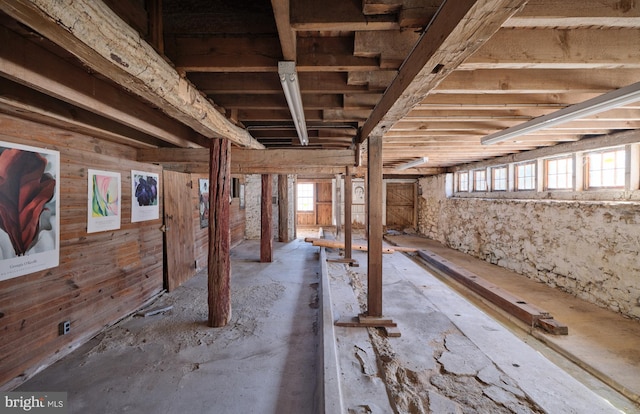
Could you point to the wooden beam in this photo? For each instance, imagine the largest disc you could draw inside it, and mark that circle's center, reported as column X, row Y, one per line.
column 513, row 305
column 226, row 54
column 283, row 208
column 391, row 47
column 558, row 49
column 277, row 101
column 577, row 13
column 374, row 227
column 254, row 158
column 219, row 267
column 155, row 33
column 266, row 216
column 286, row 157
column 117, row 52
column 361, row 247
column 456, row 32
column 262, row 83
column 27, row 103
column 28, row 64
column 336, row 15
column 536, row 81
column 281, row 13
column 324, row 54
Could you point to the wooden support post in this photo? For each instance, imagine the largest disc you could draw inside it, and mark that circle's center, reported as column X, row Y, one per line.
column 338, row 204
column 283, row 208
column 266, row 215
column 374, row 232
column 348, row 201
column 219, row 268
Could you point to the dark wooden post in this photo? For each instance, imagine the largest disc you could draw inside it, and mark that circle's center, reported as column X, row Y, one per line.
column 348, row 201
column 283, row 208
column 219, row 268
column 266, row 215
column 374, row 232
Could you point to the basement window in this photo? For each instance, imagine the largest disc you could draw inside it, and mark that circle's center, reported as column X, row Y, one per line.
column 305, row 197
column 463, row 181
column 559, row 173
column 606, row 169
column 526, row 176
column 499, row 178
column 480, row 180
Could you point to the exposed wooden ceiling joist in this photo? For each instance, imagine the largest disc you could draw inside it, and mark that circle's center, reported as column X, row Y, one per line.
column 28, row 64
column 117, row 52
column 490, row 71
column 457, row 30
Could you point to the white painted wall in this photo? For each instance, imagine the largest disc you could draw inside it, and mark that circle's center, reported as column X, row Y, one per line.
column 588, row 248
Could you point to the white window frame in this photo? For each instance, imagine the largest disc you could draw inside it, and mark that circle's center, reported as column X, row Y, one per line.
column 554, row 171
column 301, row 206
column 619, row 169
column 526, row 177
column 477, row 180
column 504, row 179
column 460, row 182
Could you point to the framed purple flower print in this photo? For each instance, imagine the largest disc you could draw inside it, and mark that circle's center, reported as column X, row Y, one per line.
column 144, row 196
column 29, row 209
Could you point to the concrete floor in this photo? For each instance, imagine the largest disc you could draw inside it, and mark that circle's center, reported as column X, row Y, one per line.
column 600, row 341
column 451, row 357
column 263, row 361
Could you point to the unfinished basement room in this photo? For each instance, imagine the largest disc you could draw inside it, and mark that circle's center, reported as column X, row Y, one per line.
column 338, row 206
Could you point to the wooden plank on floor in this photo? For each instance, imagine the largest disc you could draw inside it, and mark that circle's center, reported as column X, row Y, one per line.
column 518, row 307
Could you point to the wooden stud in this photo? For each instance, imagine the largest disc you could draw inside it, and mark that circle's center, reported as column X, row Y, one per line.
column 219, row 269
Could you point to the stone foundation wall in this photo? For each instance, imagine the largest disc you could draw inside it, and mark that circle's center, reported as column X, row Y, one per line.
column 589, row 249
column 253, row 195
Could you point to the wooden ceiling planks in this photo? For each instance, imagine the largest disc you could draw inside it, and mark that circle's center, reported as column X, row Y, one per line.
column 361, row 66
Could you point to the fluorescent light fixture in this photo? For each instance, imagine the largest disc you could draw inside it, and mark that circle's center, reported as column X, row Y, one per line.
column 604, row 102
column 413, row 163
column 291, row 88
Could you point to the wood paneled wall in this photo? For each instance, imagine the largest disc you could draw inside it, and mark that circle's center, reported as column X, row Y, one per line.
column 101, row 277
column 322, row 214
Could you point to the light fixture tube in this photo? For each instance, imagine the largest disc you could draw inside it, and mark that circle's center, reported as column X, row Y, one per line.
column 413, row 163
column 291, row 88
column 604, row 102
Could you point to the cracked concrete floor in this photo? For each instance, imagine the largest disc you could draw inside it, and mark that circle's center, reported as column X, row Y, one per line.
column 451, row 357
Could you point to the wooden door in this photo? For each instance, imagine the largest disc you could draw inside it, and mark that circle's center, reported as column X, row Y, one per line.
column 400, row 205
column 324, row 202
column 179, row 233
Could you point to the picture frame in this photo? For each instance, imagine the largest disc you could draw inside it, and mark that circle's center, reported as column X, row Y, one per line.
column 145, row 204
column 203, row 202
column 30, row 213
column 104, row 200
